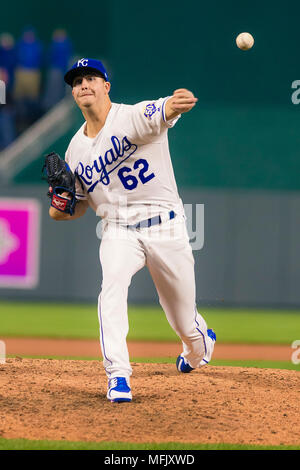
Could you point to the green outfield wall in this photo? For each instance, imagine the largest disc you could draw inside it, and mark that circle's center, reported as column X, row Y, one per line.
column 244, row 132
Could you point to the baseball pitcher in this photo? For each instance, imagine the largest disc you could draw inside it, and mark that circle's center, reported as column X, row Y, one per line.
column 119, row 164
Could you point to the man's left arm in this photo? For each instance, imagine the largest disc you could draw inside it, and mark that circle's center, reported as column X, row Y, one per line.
column 180, row 102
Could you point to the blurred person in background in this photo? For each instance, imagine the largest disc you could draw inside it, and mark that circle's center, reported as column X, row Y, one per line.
column 58, row 60
column 8, row 58
column 7, row 69
column 28, row 79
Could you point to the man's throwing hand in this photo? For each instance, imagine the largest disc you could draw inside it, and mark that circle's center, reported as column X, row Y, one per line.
column 182, row 101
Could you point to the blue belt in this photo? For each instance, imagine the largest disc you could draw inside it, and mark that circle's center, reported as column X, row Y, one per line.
column 153, row 221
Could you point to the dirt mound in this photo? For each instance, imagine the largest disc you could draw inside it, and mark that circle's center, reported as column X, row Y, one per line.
column 66, row 400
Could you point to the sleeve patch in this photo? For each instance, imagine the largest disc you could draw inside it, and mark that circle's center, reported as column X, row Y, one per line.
column 150, row 110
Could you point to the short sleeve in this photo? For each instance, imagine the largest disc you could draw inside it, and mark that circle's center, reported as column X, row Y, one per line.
column 148, row 120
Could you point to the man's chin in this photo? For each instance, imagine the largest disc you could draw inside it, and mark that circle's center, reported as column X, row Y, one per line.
column 86, row 104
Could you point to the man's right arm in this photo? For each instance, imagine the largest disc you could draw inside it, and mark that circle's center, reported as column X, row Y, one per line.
column 80, row 210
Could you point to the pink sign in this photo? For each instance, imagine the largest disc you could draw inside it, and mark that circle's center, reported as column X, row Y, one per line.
column 19, row 242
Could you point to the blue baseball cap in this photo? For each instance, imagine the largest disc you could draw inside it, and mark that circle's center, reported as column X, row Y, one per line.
column 85, row 67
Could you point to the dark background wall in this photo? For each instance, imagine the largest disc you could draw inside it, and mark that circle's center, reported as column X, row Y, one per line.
column 244, row 131
column 151, row 48
column 87, row 24
column 237, row 151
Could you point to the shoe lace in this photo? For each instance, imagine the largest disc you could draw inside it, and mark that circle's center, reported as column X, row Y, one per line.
column 119, row 382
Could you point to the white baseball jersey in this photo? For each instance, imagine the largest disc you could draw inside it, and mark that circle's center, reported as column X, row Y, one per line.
column 126, row 172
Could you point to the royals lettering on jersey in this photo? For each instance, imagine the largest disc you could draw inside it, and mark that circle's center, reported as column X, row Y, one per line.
column 112, row 158
column 130, row 159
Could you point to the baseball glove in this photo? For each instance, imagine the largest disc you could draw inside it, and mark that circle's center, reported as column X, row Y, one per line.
column 60, row 179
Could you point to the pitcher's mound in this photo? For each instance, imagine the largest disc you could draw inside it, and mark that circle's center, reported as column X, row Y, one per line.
column 66, row 400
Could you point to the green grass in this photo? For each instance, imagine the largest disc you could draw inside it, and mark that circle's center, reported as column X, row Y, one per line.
column 256, row 363
column 147, row 323
column 226, row 362
column 24, row 444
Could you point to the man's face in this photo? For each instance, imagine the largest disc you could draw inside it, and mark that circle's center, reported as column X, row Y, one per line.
column 88, row 90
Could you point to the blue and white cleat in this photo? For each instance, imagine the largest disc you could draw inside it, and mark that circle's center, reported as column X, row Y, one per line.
column 182, row 365
column 210, row 344
column 119, row 390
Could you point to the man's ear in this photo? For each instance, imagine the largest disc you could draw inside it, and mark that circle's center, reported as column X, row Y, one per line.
column 107, row 86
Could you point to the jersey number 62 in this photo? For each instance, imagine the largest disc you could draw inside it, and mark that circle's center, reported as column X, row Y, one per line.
column 130, row 181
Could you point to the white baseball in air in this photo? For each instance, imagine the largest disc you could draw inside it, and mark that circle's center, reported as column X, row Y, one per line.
column 244, row 41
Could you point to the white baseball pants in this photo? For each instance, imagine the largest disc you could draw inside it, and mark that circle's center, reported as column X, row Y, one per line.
column 166, row 251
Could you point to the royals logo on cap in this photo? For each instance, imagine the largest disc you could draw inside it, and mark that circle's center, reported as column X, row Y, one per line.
column 86, row 66
column 83, row 63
